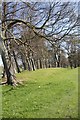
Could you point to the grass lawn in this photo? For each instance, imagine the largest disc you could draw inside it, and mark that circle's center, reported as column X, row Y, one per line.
column 0, row 93
column 46, row 93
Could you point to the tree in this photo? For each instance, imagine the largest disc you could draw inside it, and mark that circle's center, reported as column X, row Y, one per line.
column 26, row 33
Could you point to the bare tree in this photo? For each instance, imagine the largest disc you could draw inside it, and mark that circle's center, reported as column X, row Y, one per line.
column 26, row 34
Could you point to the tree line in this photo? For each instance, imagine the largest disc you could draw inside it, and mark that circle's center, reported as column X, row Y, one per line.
column 36, row 35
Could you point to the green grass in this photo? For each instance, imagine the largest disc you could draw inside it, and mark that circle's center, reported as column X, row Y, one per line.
column 0, row 93
column 47, row 93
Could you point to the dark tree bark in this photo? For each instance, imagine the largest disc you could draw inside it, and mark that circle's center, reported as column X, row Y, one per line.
column 23, row 62
column 58, row 62
column 40, row 63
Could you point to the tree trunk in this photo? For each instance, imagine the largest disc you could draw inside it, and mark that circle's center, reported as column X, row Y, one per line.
column 18, row 70
column 40, row 63
column 33, row 65
column 37, row 64
column 29, row 64
column 23, row 62
column 58, row 62
column 55, row 59
column 7, row 70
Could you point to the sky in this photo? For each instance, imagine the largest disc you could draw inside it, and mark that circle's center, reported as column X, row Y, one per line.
column 41, row 0
column 33, row 1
